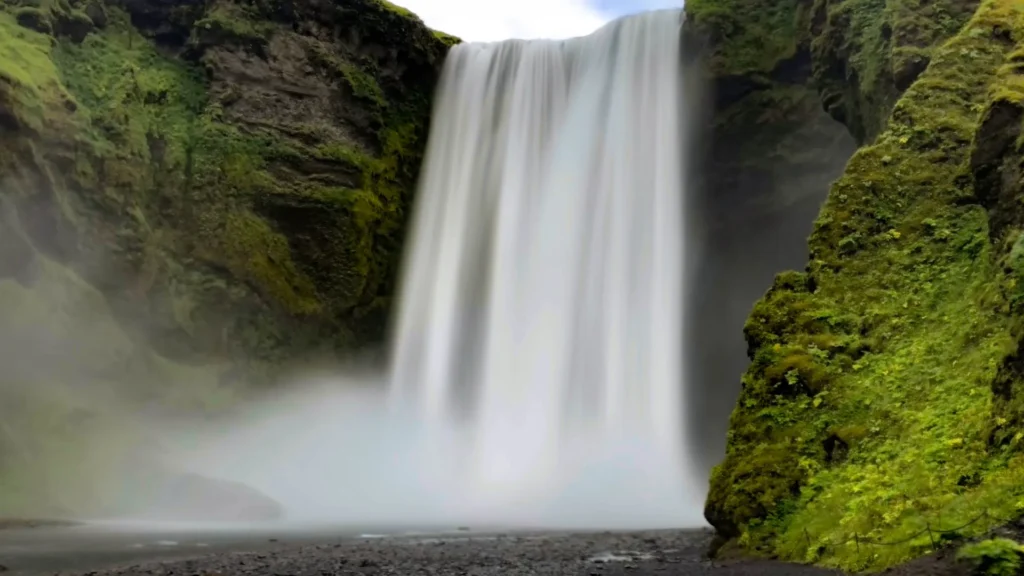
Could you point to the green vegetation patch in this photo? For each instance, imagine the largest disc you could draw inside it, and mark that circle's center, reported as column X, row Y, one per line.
column 218, row 241
column 157, row 141
column 750, row 35
column 865, row 414
column 131, row 96
column 29, row 83
column 995, row 557
column 867, row 52
column 392, row 7
column 362, row 83
column 447, row 39
column 232, row 23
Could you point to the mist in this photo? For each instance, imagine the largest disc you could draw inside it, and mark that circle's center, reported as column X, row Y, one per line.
column 333, row 453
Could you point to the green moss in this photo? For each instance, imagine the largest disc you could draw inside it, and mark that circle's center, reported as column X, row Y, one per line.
column 866, row 410
column 129, row 94
column 155, row 134
column 377, row 207
column 362, row 83
column 403, row 12
column 28, row 77
column 230, row 23
column 749, row 35
column 867, row 52
column 254, row 252
column 209, row 215
column 995, row 557
column 447, row 39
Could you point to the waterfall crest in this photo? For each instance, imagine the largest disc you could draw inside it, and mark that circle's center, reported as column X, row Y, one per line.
column 541, row 316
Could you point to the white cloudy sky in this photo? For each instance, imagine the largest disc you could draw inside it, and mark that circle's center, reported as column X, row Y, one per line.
column 486, row 20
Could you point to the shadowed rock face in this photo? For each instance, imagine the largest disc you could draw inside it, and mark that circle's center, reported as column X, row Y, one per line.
column 770, row 154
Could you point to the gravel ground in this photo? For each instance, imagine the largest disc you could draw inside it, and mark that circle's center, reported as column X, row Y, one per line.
column 597, row 554
column 662, row 553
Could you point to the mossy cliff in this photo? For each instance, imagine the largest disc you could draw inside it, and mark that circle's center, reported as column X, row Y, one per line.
column 194, row 194
column 233, row 174
column 883, row 395
column 773, row 153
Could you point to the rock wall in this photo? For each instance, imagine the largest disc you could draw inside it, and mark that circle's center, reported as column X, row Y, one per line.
column 881, row 397
column 769, row 154
column 232, row 176
column 192, row 196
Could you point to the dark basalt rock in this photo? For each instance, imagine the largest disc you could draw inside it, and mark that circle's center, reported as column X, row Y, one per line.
column 996, row 165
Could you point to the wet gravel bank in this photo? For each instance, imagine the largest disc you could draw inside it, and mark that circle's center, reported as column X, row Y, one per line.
column 596, row 554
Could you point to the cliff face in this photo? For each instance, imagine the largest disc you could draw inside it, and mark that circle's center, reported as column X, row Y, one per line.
column 234, row 174
column 193, row 194
column 773, row 153
column 882, row 394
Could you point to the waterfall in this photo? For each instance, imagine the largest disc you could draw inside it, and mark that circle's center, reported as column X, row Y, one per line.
column 541, row 312
column 537, row 377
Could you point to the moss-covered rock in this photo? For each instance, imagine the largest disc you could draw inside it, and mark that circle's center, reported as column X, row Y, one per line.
column 867, row 52
column 881, row 394
column 227, row 182
column 256, row 185
column 773, row 153
column 863, row 53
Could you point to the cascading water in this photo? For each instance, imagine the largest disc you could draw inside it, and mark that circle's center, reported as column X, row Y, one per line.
column 537, row 369
column 541, row 310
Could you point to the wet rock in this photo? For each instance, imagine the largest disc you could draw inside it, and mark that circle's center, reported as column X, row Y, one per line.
column 97, row 13
column 995, row 165
column 35, row 19
column 74, row 25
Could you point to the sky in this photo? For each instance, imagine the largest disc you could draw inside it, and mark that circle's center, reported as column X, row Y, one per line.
column 489, row 20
